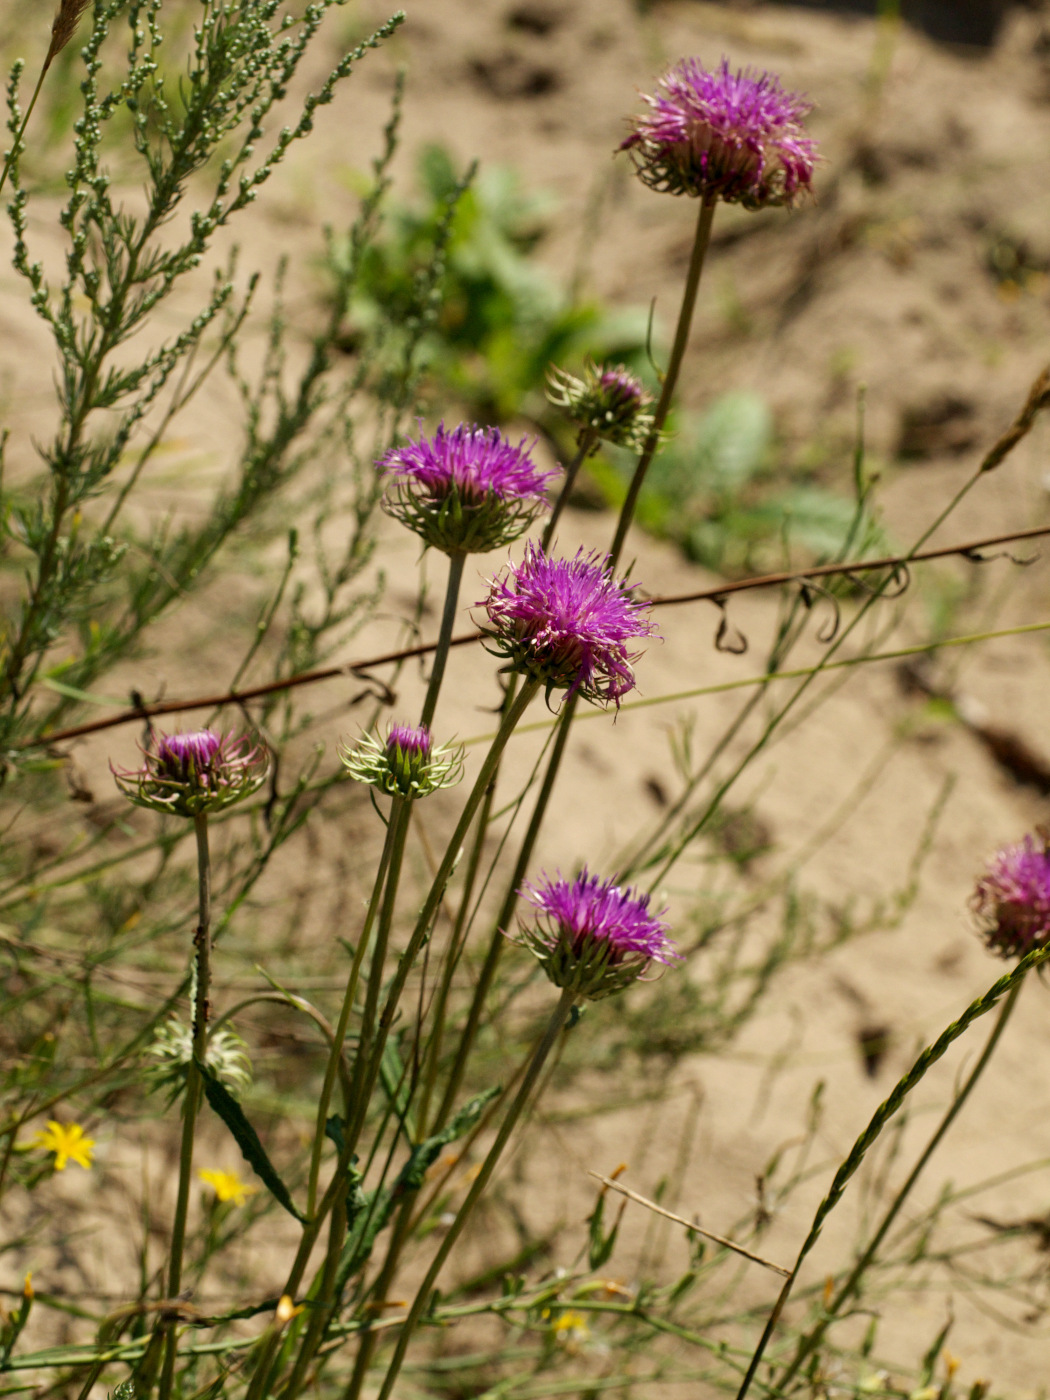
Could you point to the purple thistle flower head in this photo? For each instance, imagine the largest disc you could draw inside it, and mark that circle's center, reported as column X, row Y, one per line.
column 568, row 623
column 623, row 389
column 593, row 937
column 609, row 400
column 465, row 491
column 408, row 764
column 724, row 135
column 413, row 742
column 188, row 774
column 1012, row 898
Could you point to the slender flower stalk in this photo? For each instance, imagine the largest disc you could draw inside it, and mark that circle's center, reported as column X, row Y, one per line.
column 498, row 941
column 368, row 1068
column 432, row 902
column 190, row 775
column 588, row 441
column 592, row 939
column 456, row 945
column 701, row 240
column 397, row 827
column 456, row 561
column 191, row 1102
column 538, row 1059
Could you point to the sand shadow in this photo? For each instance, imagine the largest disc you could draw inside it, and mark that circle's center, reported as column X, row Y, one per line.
column 973, row 22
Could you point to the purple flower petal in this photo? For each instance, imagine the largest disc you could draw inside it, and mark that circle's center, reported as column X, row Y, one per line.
column 466, row 490
column 187, row 774
column 1012, row 898
column 593, row 936
column 732, row 136
column 568, row 622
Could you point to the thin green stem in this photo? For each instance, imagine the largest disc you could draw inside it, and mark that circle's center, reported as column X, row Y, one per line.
column 448, row 617
column 451, row 962
column 701, row 240
column 370, row 1338
column 261, row 1382
column 358, row 1099
column 506, row 913
column 437, row 890
column 808, row 1344
column 587, row 442
column 685, row 318
column 554, row 1027
column 929, row 1057
column 202, row 970
column 16, row 149
column 394, row 831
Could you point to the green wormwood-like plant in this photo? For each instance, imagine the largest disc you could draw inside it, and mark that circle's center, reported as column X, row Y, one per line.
column 120, row 268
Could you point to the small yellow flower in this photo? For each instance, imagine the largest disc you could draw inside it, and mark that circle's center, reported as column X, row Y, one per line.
column 286, row 1310
column 67, row 1142
column 228, row 1186
column 571, row 1330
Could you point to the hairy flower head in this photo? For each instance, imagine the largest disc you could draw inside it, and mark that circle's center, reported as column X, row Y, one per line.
column 1012, row 898
column 187, row 774
column 465, row 491
column 67, row 1142
column 171, row 1053
column 592, row 936
column 609, row 400
column 724, row 135
column 567, row 622
column 407, row 764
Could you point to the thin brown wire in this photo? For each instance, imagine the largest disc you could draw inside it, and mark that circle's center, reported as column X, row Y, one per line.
column 360, row 669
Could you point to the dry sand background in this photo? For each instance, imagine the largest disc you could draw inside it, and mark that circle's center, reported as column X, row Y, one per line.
column 883, row 281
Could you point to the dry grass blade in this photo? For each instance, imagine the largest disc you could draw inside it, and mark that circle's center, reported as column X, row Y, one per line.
column 64, row 27
column 1038, row 399
column 689, row 1224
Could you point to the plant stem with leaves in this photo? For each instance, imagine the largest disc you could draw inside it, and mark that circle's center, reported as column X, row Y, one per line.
column 419, row 1303
column 192, row 1096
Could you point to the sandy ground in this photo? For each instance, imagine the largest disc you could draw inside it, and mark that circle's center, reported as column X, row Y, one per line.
column 885, row 280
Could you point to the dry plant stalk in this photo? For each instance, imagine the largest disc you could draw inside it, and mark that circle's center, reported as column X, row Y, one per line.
column 612, row 1185
column 1038, row 399
column 63, row 29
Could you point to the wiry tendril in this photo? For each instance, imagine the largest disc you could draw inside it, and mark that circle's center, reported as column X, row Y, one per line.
column 727, row 638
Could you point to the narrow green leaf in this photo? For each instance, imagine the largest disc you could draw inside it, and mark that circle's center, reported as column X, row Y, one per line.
column 367, row 1214
column 86, row 697
column 247, row 1139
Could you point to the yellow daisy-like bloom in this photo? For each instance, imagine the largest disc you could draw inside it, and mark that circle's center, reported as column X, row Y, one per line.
column 67, row 1142
column 228, row 1186
column 571, row 1330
